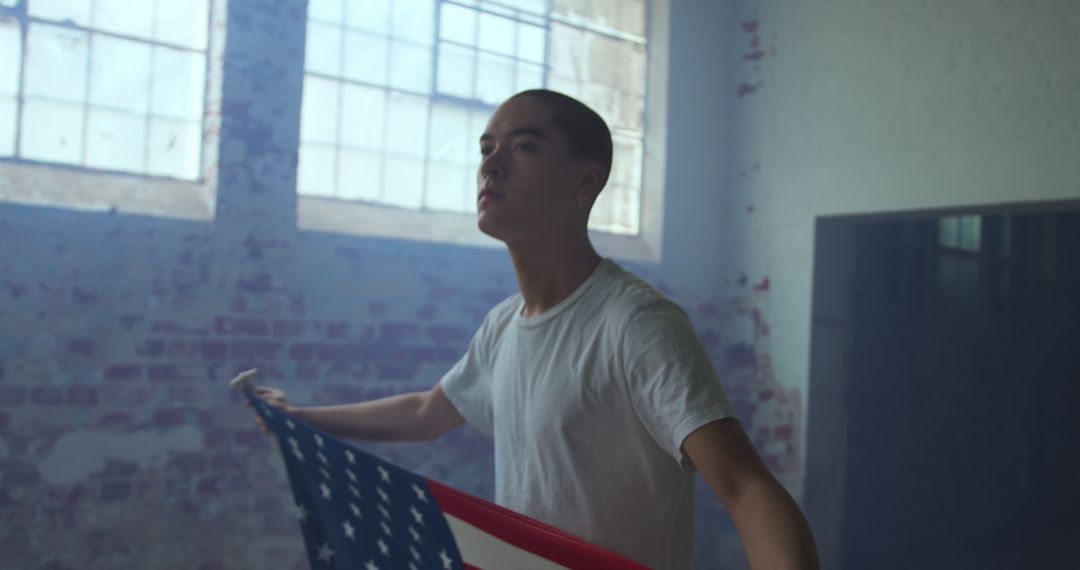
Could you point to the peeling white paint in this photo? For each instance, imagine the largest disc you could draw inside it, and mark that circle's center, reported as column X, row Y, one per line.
column 82, row 453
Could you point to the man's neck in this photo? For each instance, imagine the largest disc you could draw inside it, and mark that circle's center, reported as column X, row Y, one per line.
column 547, row 274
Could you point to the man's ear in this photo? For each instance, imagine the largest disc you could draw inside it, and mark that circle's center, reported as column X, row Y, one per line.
column 592, row 181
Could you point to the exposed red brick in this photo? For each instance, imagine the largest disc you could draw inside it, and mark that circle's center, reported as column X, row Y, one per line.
column 81, row 346
column 84, row 396
column 337, row 329
column 153, row 348
column 302, row 351
column 214, row 350
column 288, row 328
column 184, row 393
column 12, row 396
column 249, row 437
column 183, row 349
column 116, row 420
column 251, row 349
column 47, row 396
column 447, row 333
column 428, row 311
column 169, row 417
column 123, row 372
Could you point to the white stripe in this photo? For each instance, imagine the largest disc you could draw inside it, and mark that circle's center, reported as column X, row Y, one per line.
column 490, row 553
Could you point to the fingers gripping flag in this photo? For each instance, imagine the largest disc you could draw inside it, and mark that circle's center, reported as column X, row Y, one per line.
column 359, row 512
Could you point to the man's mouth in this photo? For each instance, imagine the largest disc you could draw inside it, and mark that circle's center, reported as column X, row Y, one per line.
column 490, row 194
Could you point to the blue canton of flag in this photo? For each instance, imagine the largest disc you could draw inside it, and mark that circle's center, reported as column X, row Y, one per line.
column 356, row 511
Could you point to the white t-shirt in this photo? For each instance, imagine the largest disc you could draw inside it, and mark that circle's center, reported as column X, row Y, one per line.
column 589, row 403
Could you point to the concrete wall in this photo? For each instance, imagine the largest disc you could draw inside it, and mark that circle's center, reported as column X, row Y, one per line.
column 121, row 447
column 853, row 108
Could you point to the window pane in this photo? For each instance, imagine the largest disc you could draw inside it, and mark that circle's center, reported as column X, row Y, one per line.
column 368, row 15
column 51, row 131
column 406, row 124
column 119, row 73
column 411, row 69
column 363, row 110
column 182, row 23
column 414, row 20
column 530, row 43
column 175, row 148
column 450, row 141
column 494, row 79
column 529, row 77
column 458, row 24
column 323, row 53
column 11, row 44
column 124, row 17
column 446, row 186
column 56, row 63
column 456, row 69
column 179, row 83
column 403, row 183
column 359, row 175
column 327, row 11
column 319, row 110
column 315, row 171
column 496, row 34
column 366, row 58
column 115, row 140
column 8, row 109
column 78, row 11
column 622, row 15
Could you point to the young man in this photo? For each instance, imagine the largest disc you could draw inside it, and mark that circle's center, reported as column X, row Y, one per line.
column 599, row 395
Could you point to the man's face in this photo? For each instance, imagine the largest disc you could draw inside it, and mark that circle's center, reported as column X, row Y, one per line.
column 528, row 187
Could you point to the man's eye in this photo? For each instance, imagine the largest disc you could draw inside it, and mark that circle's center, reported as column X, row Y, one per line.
column 525, row 146
column 485, row 150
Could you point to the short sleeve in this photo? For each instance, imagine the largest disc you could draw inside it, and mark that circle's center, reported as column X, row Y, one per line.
column 672, row 383
column 468, row 384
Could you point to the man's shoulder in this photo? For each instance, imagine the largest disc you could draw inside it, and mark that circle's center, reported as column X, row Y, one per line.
column 626, row 295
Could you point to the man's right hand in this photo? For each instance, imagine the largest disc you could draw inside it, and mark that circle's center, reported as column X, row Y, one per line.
column 274, row 397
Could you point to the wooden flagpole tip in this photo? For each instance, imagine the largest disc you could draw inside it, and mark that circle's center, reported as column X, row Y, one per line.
column 243, row 378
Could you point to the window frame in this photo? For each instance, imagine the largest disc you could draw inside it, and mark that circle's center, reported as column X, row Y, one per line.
column 36, row 182
column 342, row 216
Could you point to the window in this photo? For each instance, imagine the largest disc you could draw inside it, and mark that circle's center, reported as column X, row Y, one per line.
column 109, row 85
column 396, row 94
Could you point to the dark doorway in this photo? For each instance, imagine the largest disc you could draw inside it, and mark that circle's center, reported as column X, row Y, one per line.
column 963, row 393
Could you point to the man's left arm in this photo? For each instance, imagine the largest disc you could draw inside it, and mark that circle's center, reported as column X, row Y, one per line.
column 773, row 530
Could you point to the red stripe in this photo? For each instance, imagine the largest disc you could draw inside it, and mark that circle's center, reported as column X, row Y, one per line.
column 527, row 534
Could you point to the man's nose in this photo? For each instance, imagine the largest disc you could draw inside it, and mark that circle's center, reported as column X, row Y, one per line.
column 492, row 166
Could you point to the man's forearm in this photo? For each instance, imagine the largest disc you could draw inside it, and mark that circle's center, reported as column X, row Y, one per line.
column 773, row 529
column 395, row 418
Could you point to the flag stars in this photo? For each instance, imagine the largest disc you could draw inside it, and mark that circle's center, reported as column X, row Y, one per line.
column 370, row 565
column 415, row 535
column 383, row 547
column 350, row 456
column 319, row 440
column 420, row 494
column 355, row 511
column 383, row 473
column 386, row 529
column 416, row 515
column 351, row 475
column 325, row 474
column 323, row 459
column 382, row 494
column 355, row 492
column 414, row 552
column 325, row 490
column 289, row 423
column 325, row 554
column 446, row 560
column 301, row 512
column 385, row 513
column 349, row 529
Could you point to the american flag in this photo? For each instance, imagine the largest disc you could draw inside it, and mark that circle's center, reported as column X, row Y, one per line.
column 359, row 512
